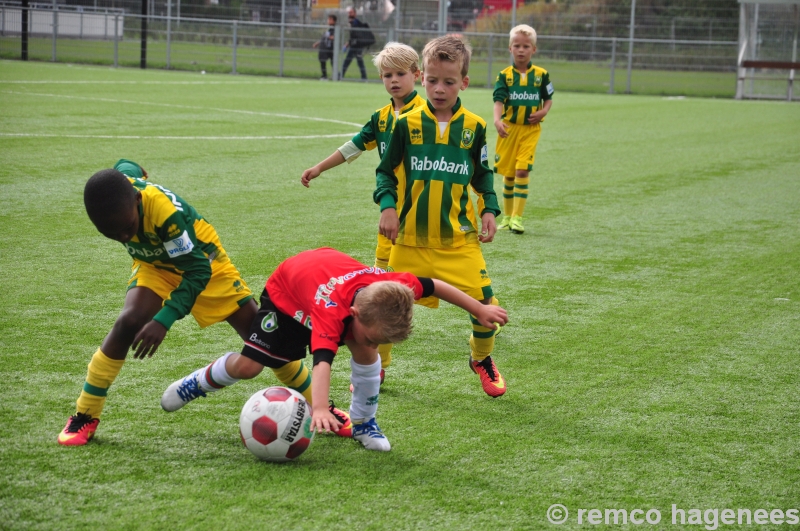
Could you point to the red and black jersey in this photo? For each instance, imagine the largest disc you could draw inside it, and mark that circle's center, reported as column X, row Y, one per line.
column 318, row 287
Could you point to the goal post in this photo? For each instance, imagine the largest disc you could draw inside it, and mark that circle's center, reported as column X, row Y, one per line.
column 767, row 59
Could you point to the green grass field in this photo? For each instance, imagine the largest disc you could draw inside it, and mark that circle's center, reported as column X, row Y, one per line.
column 651, row 356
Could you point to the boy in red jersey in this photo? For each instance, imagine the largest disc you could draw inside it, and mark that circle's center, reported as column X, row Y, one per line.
column 349, row 304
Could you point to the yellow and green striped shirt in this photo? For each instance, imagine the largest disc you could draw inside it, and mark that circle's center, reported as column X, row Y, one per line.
column 378, row 131
column 522, row 93
column 426, row 176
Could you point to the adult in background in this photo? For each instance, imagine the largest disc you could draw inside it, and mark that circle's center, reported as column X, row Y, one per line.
column 325, row 45
column 356, row 44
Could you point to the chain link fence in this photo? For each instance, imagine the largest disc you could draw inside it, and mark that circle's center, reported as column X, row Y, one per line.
column 593, row 52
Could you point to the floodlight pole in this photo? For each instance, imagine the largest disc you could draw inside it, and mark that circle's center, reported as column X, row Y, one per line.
column 630, row 46
column 143, row 58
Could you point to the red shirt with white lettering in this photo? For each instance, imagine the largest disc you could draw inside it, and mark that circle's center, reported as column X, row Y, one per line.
column 319, row 287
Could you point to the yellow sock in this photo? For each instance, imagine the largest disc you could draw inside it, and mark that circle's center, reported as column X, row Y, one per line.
column 101, row 374
column 383, row 264
column 481, row 344
column 508, row 195
column 520, row 195
column 385, row 352
column 295, row 375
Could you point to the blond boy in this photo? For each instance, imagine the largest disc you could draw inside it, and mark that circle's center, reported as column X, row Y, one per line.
column 436, row 153
column 522, row 98
column 398, row 65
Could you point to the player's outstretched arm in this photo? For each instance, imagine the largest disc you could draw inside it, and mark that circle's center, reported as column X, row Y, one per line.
column 313, row 172
column 322, row 419
column 486, row 314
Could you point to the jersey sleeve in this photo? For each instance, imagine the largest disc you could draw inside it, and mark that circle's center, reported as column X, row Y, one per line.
column 483, row 177
column 386, row 181
column 500, row 89
column 365, row 139
column 547, row 88
column 185, row 252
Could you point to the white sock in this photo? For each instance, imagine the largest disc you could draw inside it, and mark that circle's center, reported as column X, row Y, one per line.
column 215, row 377
column 366, row 380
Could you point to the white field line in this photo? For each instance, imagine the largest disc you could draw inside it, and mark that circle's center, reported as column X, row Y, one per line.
column 107, row 82
column 162, row 137
column 188, row 107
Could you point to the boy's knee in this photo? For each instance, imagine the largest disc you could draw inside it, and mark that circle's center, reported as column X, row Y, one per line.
column 129, row 322
column 523, row 174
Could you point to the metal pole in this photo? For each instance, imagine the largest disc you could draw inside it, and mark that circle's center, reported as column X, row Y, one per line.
column 489, row 62
column 116, row 40
column 55, row 28
column 790, row 91
column 24, row 31
column 235, row 26
column 337, row 48
column 513, row 13
column 143, row 55
column 397, row 20
column 672, row 33
column 179, row 13
column 613, row 64
column 630, row 46
column 283, row 34
column 169, row 33
column 442, row 17
column 741, row 72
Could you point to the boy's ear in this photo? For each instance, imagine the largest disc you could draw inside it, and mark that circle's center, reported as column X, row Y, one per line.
column 465, row 83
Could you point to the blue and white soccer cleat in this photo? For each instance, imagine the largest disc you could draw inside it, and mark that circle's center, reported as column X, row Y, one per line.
column 182, row 391
column 370, row 435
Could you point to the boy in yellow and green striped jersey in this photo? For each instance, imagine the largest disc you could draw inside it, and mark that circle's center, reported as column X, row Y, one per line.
column 523, row 95
column 179, row 267
column 399, row 69
column 435, row 154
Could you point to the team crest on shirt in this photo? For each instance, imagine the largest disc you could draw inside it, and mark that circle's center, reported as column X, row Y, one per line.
column 467, row 137
column 154, row 239
column 537, row 81
column 496, row 158
column 270, row 322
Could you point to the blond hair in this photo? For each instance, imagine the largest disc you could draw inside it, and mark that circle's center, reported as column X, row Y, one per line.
column 522, row 29
column 389, row 306
column 448, row 48
column 396, row 56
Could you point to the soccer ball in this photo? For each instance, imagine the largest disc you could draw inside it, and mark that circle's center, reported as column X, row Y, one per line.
column 275, row 424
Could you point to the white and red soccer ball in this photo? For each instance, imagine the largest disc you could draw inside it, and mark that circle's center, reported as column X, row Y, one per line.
column 275, row 424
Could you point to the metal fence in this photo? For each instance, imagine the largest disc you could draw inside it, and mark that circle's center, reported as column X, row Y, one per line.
column 577, row 63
